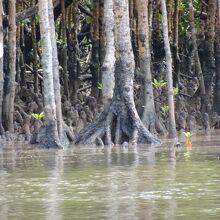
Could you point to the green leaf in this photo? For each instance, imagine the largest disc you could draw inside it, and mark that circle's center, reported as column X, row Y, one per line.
column 187, row 134
column 175, row 91
column 165, row 108
column 159, row 84
column 89, row 19
column 39, row 116
column 100, row 86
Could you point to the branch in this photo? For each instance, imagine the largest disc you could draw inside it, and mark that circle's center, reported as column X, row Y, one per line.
column 32, row 11
column 85, row 11
column 27, row 13
column 83, row 89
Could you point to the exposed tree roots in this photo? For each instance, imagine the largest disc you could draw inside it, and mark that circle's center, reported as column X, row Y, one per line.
column 119, row 124
column 154, row 125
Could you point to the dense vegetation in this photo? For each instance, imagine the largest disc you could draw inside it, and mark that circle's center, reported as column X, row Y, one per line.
column 108, row 71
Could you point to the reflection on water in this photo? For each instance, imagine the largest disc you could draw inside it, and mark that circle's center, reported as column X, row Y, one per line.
column 111, row 183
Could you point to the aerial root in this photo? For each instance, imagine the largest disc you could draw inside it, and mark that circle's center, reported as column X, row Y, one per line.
column 113, row 129
column 118, row 132
column 108, row 136
column 134, row 138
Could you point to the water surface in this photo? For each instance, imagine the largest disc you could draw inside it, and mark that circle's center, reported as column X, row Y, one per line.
column 112, row 183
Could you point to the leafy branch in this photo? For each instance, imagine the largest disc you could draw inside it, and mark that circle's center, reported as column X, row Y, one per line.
column 165, row 108
column 100, row 86
column 39, row 116
column 159, row 84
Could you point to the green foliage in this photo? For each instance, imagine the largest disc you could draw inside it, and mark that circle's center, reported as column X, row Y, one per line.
column 37, row 18
column 165, row 108
column 39, row 65
column 89, row 20
column 25, row 22
column 185, row 17
column 185, row 20
column 197, row 4
column 86, row 3
column 40, row 44
column 62, row 42
column 187, row 134
column 86, row 43
column 175, row 91
column 57, row 26
column 39, row 116
column 100, row 86
column 159, row 84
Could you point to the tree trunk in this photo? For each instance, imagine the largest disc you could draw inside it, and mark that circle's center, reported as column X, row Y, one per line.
column 169, row 15
column 209, row 70
column 21, row 53
column 176, row 43
column 73, row 52
column 95, row 60
column 22, row 79
column 48, row 136
column 131, row 14
column 56, row 78
column 10, row 84
column 147, row 112
column 34, row 45
column 120, row 122
column 172, row 123
column 150, row 19
column 134, row 27
column 64, row 51
column 217, row 63
column 102, row 37
column 196, row 55
column 1, row 60
column 108, row 66
column 218, row 3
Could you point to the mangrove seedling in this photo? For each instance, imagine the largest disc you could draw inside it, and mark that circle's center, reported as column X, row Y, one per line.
column 159, row 84
column 100, row 86
column 175, row 91
column 188, row 136
column 165, row 108
column 39, row 116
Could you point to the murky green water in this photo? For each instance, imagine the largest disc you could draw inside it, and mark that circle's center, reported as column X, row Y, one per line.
column 136, row 183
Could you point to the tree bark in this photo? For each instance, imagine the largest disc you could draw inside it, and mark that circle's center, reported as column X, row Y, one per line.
column 150, row 19
column 217, row 63
column 196, row 55
column 147, row 112
column 172, row 123
column 48, row 136
column 1, row 60
column 21, row 57
column 209, row 58
column 34, row 45
column 95, row 59
column 176, row 43
column 218, row 4
column 32, row 11
column 10, row 84
column 64, row 51
column 120, row 122
column 56, row 79
column 73, row 52
column 169, row 15
column 108, row 65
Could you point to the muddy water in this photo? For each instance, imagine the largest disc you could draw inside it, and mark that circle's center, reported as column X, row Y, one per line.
column 118, row 183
